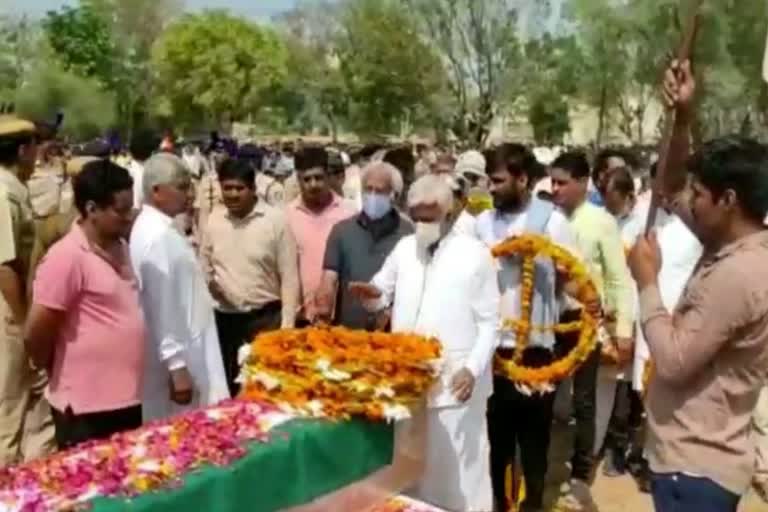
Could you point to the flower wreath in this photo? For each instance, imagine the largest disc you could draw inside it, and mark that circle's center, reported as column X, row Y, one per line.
column 334, row 372
column 528, row 247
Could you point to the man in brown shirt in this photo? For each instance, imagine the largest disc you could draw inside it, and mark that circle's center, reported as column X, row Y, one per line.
column 250, row 258
column 710, row 355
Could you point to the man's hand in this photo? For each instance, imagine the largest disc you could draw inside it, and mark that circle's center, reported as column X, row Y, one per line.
column 679, row 87
column 462, row 384
column 625, row 348
column 182, row 387
column 364, row 291
column 645, row 260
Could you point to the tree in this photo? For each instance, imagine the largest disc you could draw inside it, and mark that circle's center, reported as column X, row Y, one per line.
column 216, row 65
column 390, row 73
column 548, row 116
column 478, row 43
column 314, row 92
column 88, row 110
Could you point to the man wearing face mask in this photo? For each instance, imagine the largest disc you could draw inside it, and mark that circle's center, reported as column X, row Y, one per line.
column 358, row 246
column 442, row 283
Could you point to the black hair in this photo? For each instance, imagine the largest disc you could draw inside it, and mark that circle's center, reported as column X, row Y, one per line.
column 516, row 159
column 99, row 181
column 9, row 147
column 143, row 145
column 335, row 163
column 737, row 163
column 402, row 158
column 652, row 172
column 574, row 163
column 237, row 169
column 311, row 157
column 622, row 180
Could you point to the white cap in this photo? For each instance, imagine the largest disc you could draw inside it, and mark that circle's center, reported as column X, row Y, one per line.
column 471, row 162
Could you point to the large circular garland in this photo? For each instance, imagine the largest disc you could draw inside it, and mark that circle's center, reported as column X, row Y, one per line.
column 528, row 247
column 335, row 372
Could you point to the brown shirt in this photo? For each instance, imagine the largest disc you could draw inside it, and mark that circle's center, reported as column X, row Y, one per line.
column 711, row 360
column 253, row 260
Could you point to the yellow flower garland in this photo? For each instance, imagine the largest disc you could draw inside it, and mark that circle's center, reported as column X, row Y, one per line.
column 528, row 247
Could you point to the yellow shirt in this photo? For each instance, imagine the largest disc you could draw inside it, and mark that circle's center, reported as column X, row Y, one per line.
column 600, row 242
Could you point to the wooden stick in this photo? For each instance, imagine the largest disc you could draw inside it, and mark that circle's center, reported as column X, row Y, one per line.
column 662, row 165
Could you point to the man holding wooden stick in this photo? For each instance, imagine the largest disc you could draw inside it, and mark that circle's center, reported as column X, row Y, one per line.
column 710, row 355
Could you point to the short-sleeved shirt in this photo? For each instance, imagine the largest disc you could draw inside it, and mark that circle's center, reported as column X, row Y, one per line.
column 17, row 229
column 311, row 230
column 99, row 352
column 356, row 250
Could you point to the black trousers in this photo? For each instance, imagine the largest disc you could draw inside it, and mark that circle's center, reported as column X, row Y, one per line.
column 584, row 402
column 238, row 329
column 517, row 419
column 626, row 418
column 73, row 429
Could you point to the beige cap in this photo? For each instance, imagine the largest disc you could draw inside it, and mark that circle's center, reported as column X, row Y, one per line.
column 471, row 162
column 11, row 126
column 75, row 164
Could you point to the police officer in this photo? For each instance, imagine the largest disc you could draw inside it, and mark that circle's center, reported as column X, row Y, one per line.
column 26, row 427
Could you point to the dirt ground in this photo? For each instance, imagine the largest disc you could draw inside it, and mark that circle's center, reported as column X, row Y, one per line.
column 611, row 494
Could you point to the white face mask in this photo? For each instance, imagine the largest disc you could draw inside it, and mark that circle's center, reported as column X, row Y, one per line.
column 428, row 233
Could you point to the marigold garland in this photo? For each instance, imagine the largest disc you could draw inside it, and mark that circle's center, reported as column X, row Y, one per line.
column 528, row 247
column 337, row 372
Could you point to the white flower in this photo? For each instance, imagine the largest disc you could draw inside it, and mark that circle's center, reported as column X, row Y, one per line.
column 384, row 392
column 336, row 375
column 243, row 354
column 323, row 365
column 267, row 380
column 396, row 412
column 315, row 407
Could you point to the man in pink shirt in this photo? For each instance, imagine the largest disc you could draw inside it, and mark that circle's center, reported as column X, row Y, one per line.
column 311, row 217
column 85, row 326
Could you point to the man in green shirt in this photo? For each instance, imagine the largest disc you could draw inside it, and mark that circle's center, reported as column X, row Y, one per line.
column 598, row 238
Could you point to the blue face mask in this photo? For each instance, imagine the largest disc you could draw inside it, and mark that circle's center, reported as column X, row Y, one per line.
column 376, row 206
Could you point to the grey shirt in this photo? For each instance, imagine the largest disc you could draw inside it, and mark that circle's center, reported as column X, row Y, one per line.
column 356, row 250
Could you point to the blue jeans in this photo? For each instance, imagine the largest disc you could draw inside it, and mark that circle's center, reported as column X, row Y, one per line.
column 676, row 492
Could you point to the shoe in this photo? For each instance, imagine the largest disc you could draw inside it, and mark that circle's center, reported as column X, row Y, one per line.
column 643, row 479
column 615, row 463
column 576, row 497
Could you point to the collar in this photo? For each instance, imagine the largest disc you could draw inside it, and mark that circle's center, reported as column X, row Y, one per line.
column 336, row 201
column 151, row 211
column 258, row 210
column 382, row 227
column 753, row 241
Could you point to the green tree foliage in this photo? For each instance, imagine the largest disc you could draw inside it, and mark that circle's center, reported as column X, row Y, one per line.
column 390, row 73
column 82, row 43
column 217, row 65
column 88, row 110
column 548, row 116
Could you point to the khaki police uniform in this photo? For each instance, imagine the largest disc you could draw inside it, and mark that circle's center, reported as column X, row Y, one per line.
column 26, row 427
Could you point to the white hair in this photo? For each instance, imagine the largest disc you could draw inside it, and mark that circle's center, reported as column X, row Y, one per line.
column 395, row 178
column 431, row 189
column 162, row 169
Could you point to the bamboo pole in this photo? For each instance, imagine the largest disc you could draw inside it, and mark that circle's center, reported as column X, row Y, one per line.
column 662, row 166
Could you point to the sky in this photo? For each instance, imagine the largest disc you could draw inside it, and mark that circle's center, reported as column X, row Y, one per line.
column 262, row 9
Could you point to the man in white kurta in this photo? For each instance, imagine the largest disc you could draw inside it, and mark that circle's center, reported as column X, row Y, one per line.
column 182, row 340
column 442, row 283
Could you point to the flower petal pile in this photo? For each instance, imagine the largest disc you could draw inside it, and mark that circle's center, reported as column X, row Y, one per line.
column 403, row 504
column 335, row 372
column 155, row 456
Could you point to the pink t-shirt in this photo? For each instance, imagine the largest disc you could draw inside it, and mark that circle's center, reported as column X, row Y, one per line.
column 99, row 353
column 311, row 231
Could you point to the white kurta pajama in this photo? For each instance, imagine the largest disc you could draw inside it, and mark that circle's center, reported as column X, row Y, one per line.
column 178, row 309
column 454, row 296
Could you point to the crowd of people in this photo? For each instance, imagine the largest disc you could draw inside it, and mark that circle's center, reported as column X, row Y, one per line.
column 130, row 281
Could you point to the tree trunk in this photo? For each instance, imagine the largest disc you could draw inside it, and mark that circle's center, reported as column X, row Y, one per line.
column 603, row 107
